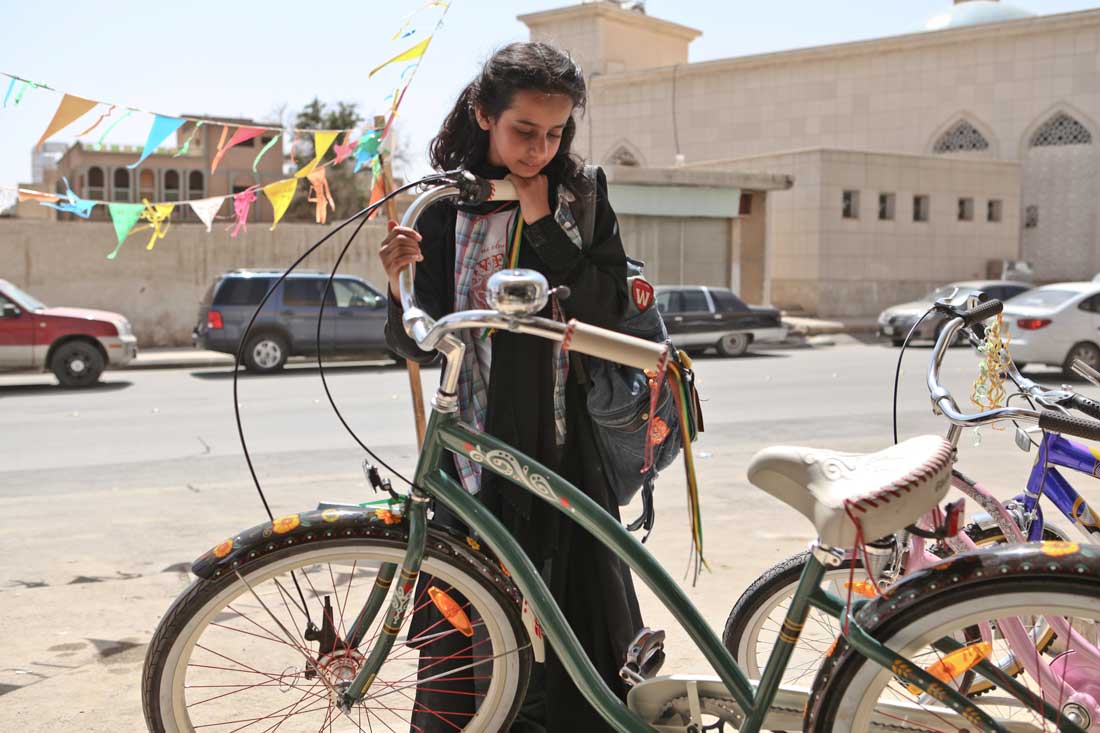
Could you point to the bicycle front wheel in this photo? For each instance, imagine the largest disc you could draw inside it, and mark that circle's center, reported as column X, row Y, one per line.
column 945, row 622
column 234, row 653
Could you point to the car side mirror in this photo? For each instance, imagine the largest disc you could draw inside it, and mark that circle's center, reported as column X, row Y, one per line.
column 11, row 310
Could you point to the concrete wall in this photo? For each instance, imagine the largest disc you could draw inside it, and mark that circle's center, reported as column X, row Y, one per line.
column 64, row 263
column 820, row 262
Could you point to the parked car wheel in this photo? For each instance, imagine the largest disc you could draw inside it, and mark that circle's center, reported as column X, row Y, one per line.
column 77, row 364
column 265, row 353
column 734, row 344
column 897, row 342
column 1086, row 351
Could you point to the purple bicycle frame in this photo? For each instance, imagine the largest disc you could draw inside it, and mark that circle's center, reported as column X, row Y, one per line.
column 1045, row 479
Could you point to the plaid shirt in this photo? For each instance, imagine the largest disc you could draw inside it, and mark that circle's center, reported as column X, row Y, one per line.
column 473, row 381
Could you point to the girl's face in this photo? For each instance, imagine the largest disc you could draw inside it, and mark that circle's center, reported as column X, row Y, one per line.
column 527, row 135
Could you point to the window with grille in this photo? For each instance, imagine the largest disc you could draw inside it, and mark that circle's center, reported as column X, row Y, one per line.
column 994, row 209
column 921, row 208
column 961, row 137
column 1061, row 129
column 966, row 209
column 850, row 205
column 1031, row 217
column 886, row 206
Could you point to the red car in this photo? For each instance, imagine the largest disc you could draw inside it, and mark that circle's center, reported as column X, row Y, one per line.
column 76, row 344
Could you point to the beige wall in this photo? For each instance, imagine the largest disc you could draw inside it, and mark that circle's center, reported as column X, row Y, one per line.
column 822, row 263
column 65, row 263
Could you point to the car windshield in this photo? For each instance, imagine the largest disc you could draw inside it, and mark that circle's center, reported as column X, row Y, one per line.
column 33, row 304
column 1042, row 298
column 946, row 291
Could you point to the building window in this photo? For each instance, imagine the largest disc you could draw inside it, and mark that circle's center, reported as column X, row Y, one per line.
column 744, row 207
column 147, row 185
column 921, row 208
column 97, row 184
column 171, row 186
column 1061, row 129
column 966, row 209
column 196, row 185
column 1031, row 217
column 850, row 205
column 994, row 210
column 886, row 206
column 120, row 190
column 961, row 137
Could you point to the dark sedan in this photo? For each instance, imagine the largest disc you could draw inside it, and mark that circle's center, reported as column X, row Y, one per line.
column 699, row 317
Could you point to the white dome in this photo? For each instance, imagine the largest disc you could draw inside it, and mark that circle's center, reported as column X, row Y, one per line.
column 977, row 12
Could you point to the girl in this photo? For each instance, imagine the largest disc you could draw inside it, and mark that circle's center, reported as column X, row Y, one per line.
column 515, row 121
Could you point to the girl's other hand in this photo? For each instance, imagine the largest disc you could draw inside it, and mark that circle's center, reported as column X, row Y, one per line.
column 534, row 196
column 400, row 248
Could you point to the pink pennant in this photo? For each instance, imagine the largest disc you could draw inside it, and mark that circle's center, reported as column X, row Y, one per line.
column 242, row 204
column 243, row 134
column 345, row 149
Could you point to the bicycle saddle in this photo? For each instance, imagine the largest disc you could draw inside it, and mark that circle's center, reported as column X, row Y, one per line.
column 882, row 491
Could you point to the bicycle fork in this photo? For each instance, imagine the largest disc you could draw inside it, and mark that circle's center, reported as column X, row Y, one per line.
column 395, row 615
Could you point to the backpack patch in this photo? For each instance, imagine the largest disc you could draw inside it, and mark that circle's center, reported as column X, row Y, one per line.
column 642, row 293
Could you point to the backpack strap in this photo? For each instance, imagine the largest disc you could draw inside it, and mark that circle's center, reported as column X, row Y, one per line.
column 587, row 219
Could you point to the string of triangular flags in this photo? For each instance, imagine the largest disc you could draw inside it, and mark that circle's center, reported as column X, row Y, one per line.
column 364, row 149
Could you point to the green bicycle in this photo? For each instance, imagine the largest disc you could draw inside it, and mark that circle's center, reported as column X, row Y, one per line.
column 369, row 618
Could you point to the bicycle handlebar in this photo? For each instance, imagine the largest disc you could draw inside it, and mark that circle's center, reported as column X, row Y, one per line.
column 945, row 404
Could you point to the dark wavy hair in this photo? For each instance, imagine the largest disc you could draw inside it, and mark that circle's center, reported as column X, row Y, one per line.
column 539, row 67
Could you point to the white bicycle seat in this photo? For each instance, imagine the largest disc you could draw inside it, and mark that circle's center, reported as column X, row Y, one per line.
column 882, row 491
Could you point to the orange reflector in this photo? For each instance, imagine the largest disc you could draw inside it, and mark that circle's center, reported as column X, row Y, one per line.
column 864, row 588
column 957, row 663
column 451, row 611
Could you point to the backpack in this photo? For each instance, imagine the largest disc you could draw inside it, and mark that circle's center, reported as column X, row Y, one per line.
column 618, row 397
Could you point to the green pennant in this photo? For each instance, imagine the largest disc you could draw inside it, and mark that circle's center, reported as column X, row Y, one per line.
column 124, row 217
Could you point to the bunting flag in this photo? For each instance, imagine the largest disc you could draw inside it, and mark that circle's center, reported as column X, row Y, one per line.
column 73, row 204
column 243, row 134
column 207, row 209
column 344, row 149
column 124, row 216
column 413, row 53
column 27, row 195
column 280, row 193
column 157, row 216
column 378, row 192
column 221, row 144
column 366, row 149
column 7, row 94
column 112, row 126
column 242, row 204
column 70, row 110
column 158, row 133
column 95, row 124
column 187, row 145
column 322, row 141
column 269, row 146
column 8, row 199
column 320, row 194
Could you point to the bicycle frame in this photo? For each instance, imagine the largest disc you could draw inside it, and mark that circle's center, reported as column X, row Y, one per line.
column 1045, row 479
column 447, row 435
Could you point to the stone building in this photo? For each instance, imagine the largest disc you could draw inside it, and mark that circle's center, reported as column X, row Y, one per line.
column 917, row 158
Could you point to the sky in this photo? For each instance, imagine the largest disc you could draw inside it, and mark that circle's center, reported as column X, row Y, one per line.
column 251, row 59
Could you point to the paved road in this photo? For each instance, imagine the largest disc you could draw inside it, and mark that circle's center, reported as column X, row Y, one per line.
column 108, row 494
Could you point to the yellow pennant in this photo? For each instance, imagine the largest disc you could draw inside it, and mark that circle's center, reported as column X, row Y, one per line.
column 281, row 193
column 413, row 53
column 322, row 141
column 157, row 215
column 70, row 109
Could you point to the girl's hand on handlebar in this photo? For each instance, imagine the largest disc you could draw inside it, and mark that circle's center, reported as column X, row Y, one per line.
column 400, row 248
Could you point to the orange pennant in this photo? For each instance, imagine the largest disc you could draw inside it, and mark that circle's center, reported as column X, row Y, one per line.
column 377, row 193
column 70, row 109
column 242, row 134
column 28, row 195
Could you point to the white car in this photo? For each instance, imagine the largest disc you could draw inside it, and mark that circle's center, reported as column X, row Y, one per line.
column 1055, row 324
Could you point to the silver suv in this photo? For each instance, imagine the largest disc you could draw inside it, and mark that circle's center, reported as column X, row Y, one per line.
column 354, row 323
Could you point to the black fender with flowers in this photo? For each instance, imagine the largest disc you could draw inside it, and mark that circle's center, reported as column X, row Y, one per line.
column 327, row 525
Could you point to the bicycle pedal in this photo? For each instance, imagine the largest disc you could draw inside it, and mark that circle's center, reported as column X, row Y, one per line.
column 644, row 657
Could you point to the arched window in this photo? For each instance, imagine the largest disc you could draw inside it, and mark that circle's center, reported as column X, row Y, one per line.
column 1061, row 129
column 623, row 156
column 120, row 188
column 960, row 138
column 171, row 186
column 97, row 184
column 147, row 185
column 196, row 185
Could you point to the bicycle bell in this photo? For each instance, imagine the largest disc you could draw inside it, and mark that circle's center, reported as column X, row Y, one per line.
column 517, row 292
